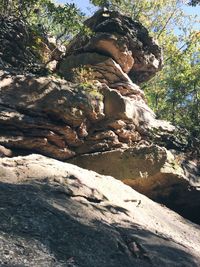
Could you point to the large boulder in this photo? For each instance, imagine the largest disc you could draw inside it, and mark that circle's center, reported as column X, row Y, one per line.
column 47, row 115
column 103, row 68
column 102, row 111
column 57, row 214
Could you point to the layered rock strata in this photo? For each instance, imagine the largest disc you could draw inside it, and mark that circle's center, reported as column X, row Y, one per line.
column 104, row 110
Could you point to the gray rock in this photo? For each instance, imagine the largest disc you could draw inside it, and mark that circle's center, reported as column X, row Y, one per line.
column 154, row 171
column 57, row 214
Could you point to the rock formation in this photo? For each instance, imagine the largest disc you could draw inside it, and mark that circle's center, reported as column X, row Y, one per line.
column 96, row 116
column 97, row 113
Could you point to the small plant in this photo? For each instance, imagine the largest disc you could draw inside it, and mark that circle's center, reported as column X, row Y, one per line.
column 83, row 75
column 91, row 90
column 86, row 79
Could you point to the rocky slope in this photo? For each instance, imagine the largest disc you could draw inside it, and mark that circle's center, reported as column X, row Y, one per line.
column 57, row 214
column 95, row 116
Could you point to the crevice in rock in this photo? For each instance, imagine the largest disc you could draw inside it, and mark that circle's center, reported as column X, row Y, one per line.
column 89, row 199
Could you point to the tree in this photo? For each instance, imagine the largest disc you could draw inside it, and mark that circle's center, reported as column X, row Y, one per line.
column 45, row 16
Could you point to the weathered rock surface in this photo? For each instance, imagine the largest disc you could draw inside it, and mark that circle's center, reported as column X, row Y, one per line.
column 57, row 214
column 126, row 41
column 118, row 52
column 61, row 119
column 117, row 49
column 103, row 68
column 153, row 171
column 46, row 115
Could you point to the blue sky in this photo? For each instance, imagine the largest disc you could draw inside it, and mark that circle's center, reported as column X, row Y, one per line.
column 84, row 5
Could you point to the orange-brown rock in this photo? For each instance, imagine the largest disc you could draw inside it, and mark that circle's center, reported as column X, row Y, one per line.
column 113, row 45
column 127, row 135
column 117, row 124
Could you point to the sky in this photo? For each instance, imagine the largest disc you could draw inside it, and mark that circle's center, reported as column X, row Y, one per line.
column 84, row 5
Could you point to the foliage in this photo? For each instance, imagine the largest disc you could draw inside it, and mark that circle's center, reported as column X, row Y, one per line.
column 175, row 92
column 45, row 16
column 48, row 25
column 91, row 90
column 83, row 75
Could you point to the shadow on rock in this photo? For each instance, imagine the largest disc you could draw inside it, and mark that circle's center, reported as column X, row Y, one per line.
column 41, row 226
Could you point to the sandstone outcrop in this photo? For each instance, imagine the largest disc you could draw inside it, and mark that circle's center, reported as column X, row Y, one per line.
column 62, row 119
column 57, row 214
column 118, row 52
column 97, row 116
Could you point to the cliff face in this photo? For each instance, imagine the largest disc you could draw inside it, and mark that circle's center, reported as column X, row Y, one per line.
column 96, row 117
column 101, row 109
